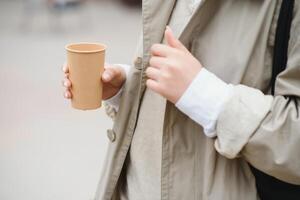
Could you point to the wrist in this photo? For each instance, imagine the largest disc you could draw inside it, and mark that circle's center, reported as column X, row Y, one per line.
column 125, row 70
column 204, row 99
column 114, row 100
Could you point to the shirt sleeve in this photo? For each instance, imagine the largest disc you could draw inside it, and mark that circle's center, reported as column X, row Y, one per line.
column 114, row 101
column 204, row 99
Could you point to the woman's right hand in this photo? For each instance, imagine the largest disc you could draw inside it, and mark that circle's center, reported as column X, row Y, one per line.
column 113, row 79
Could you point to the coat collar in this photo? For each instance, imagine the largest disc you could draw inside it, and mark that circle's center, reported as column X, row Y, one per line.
column 156, row 15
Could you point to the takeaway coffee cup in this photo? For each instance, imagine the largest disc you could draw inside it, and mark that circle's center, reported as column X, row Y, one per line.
column 86, row 65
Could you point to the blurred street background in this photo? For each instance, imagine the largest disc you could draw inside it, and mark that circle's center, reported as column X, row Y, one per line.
column 49, row 151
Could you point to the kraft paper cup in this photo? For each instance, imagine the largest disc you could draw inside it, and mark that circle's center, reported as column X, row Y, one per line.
column 86, row 65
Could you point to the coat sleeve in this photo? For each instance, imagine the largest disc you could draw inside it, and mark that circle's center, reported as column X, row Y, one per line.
column 263, row 129
column 112, row 105
column 110, row 110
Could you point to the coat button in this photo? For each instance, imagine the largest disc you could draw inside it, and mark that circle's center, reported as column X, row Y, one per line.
column 111, row 135
column 138, row 61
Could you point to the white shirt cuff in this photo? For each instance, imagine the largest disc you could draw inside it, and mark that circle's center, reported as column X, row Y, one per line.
column 204, row 99
column 114, row 101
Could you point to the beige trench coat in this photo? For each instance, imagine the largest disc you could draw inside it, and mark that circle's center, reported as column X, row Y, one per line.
column 234, row 39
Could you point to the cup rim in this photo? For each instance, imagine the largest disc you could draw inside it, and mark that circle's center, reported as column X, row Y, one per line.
column 102, row 47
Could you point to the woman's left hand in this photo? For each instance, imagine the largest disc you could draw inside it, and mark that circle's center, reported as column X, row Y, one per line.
column 172, row 68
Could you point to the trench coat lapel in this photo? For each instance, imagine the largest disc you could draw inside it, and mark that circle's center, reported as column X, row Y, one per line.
column 156, row 15
column 199, row 19
column 185, row 29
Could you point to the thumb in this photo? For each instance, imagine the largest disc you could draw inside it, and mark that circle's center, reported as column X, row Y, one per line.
column 113, row 75
column 172, row 41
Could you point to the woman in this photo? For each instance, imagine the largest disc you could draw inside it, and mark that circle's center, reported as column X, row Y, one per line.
column 194, row 112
